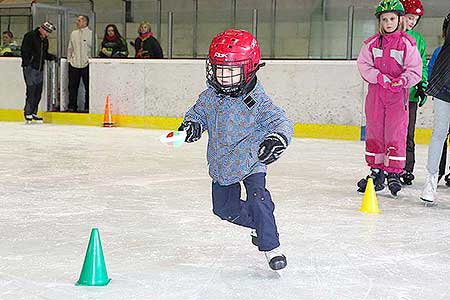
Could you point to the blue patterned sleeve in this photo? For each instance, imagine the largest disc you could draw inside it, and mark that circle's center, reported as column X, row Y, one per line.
column 198, row 112
column 272, row 119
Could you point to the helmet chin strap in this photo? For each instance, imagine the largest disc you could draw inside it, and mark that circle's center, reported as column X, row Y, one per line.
column 417, row 22
column 396, row 28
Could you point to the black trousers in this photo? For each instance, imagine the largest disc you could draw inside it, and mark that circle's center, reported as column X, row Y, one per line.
column 443, row 158
column 34, row 80
column 256, row 212
column 410, row 145
column 75, row 75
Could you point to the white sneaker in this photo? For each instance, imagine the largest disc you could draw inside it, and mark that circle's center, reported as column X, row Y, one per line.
column 276, row 259
column 429, row 191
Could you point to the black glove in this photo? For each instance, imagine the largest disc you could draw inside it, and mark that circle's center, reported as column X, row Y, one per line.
column 193, row 131
column 420, row 93
column 272, row 148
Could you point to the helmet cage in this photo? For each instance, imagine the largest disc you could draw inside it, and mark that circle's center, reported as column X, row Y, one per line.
column 236, row 82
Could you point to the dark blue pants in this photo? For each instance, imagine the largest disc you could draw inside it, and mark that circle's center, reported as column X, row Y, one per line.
column 255, row 213
column 34, row 80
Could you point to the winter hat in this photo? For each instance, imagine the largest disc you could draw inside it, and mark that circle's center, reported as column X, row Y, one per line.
column 49, row 27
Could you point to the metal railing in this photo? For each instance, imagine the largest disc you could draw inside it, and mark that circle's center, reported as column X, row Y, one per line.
column 254, row 25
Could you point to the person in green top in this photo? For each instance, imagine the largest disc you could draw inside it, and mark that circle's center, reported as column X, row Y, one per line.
column 414, row 11
column 9, row 46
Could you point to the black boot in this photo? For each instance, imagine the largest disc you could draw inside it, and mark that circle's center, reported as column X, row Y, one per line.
column 28, row 119
column 407, row 178
column 254, row 237
column 378, row 180
column 447, row 180
column 394, row 183
column 37, row 119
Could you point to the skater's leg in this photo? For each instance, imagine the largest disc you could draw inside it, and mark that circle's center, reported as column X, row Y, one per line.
column 38, row 91
column 396, row 129
column 443, row 162
column 374, row 109
column 261, row 207
column 438, row 138
column 227, row 204
column 30, row 92
column 410, row 145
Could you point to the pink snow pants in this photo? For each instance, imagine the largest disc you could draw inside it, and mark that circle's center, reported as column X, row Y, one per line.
column 386, row 128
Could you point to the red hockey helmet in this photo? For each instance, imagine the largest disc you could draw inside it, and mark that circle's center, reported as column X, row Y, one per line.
column 413, row 7
column 233, row 61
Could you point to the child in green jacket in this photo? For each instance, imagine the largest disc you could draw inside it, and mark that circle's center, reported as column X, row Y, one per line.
column 414, row 11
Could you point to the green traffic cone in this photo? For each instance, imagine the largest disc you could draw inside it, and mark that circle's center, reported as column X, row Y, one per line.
column 94, row 267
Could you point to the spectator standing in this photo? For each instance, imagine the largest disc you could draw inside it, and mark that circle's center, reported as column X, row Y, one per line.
column 78, row 54
column 34, row 54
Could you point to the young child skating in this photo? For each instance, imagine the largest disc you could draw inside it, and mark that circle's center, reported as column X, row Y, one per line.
column 246, row 132
column 390, row 63
column 414, row 11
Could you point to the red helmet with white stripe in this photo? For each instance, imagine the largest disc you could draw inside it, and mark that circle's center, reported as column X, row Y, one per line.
column 233, row 61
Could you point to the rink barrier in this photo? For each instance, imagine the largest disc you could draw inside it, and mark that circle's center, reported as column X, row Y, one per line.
column 320, row 131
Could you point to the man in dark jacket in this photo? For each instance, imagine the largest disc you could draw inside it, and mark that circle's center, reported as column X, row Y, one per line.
column 34, row 54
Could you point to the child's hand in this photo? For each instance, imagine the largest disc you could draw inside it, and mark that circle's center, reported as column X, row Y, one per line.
column 193, row 131
column 397, row 84
column 272, row 148
column 384, row 80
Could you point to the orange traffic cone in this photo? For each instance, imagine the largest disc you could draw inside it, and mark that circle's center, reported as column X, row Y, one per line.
column 108, row 119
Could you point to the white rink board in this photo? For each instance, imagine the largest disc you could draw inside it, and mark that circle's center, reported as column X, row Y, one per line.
column 161, row 241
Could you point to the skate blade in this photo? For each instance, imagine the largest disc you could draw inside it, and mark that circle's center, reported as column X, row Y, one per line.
column 393, row 196
column 39, row 122
column 428, row 203
column 28, row 122
column 280, row 273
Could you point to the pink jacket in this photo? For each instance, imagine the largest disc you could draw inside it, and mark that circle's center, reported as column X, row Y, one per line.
column 395, row 55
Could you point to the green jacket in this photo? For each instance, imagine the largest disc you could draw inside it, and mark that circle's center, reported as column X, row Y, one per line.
column 422, row 47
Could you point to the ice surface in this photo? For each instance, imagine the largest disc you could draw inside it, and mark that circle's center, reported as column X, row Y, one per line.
column 161, row 241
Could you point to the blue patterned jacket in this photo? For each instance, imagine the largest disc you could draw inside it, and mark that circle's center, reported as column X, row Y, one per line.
column 236, row 127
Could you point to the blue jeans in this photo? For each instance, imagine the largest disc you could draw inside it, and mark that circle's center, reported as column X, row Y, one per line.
column 34, row 80
column 256, row 212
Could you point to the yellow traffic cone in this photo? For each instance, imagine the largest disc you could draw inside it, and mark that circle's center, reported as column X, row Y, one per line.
column 370, row 203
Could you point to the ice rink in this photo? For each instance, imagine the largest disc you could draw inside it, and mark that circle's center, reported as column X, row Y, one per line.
column 152, row 206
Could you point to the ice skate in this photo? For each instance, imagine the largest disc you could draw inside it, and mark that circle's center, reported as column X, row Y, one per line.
column 429, row 191
column 254, row 237
column 394, row 183
column 28, row 119
column 276, row 259
column 37, row 119
column 407, row 178
column 378, row 180
column 447, row 180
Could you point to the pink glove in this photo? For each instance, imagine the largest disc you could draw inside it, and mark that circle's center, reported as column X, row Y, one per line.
column 397, row 84
column 384, row 80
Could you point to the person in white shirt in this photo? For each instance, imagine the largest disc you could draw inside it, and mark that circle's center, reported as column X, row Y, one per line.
column 78, row 54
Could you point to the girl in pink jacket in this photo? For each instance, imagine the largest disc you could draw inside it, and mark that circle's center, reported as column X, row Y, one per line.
column 390, row 63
